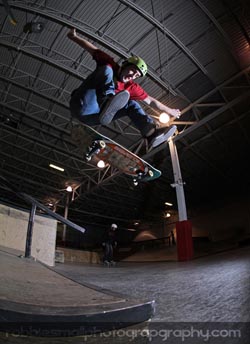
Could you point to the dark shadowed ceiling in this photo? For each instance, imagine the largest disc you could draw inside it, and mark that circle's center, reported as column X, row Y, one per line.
column 198, row 54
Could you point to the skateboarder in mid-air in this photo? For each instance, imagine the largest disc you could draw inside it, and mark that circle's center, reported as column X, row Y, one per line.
column 110, row 92
column 109, row 242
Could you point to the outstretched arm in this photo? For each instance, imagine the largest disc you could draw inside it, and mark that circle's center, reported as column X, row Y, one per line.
column 155, row 104
column 91, row 48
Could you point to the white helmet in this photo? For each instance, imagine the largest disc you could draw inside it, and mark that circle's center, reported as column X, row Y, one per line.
column 113, row 225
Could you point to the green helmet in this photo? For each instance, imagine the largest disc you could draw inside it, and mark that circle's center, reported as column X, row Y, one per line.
column 138, row 62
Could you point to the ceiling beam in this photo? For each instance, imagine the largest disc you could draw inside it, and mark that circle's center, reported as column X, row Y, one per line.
column 213, row 115
column 140, row 11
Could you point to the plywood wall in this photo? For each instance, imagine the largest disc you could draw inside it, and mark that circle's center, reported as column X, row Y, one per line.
column 13, row 231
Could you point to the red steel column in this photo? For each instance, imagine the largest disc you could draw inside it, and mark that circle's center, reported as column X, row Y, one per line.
column 184, row 240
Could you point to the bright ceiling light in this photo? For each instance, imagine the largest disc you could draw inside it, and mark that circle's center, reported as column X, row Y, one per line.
column 164, row 117
column 56, row 167
column 69, row 189
column 101, row 164
column 170, row 204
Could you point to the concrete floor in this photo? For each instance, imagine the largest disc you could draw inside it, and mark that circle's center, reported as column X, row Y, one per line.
column 212, row 288
column 208, row 293
column 198, row 296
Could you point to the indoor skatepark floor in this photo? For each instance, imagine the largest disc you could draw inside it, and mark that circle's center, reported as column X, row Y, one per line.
column 208, row 292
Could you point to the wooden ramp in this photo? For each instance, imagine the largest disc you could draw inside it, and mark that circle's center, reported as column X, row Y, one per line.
column 35, row 298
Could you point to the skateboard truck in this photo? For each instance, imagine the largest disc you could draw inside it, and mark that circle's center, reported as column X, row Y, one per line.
column 95, row 149
column 141, row 174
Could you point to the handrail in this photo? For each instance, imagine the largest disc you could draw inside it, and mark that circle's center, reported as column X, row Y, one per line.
column 33, row 201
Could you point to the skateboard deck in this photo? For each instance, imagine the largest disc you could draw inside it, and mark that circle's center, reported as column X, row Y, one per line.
column 98, row 147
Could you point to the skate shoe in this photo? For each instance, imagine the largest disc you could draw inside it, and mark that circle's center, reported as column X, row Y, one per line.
column 114, row 104
column 161, row 135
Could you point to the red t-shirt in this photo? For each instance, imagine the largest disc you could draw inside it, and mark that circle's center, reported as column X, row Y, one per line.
column 135, row 90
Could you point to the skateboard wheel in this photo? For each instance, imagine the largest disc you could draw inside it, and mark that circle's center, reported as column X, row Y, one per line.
column 151, row 173
column 140, row 174
column 102, row 144
column 135, row 181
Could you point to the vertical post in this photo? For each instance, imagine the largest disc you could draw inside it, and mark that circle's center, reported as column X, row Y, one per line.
column 178, row 183
column 30, row 231
column 66, row 211
column 183, row 226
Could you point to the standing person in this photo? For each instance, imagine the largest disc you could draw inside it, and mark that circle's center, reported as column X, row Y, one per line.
column 172, row 238
column 109, row 243
column 110, row 92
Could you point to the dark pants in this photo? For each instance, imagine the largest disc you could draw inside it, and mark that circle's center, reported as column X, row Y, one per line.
column 108, row 252
column 87, row 100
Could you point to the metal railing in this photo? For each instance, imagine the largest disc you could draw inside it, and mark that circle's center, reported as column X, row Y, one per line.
column 34, row 205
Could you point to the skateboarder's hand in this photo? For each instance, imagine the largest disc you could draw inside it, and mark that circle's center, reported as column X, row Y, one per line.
column 175, row 113
column 72, row 33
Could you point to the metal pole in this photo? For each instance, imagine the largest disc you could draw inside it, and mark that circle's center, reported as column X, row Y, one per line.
column 178, row 182
column 30, row 231
column 66, row 211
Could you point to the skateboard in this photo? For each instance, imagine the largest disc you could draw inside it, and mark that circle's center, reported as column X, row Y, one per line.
column 97, row 147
